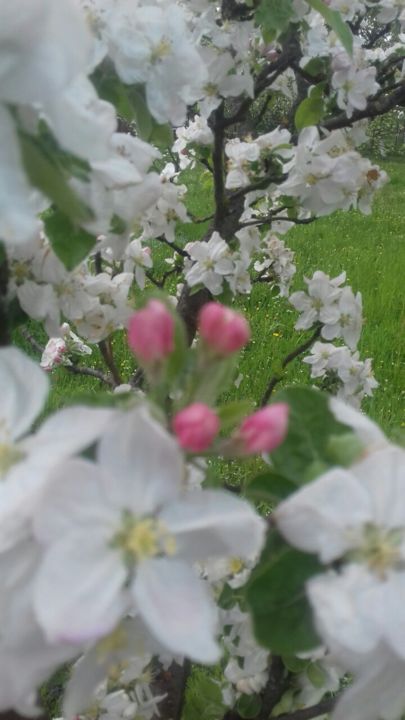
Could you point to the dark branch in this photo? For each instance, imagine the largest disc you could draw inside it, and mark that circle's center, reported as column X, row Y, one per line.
column 217, row 127
column 374, row 108
column 289, row 358
column 177, row 248
column 323, row 707
column 74, row 369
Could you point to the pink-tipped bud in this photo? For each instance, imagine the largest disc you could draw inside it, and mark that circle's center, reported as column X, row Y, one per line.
column 265, row 429
column 195, row 427
column 223, row 330
column 151, row 332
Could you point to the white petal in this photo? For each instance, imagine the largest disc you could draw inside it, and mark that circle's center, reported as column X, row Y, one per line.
column 177, row 608
column 79, row 593
column 382, row 474
column 317, row 517
column 18, row 223
column 378, row 692
column 145, row 461
column 67, row 432
column 23, row 391
column 368, row 431
column 340, row 603
column 214, row 523
column 74, row 500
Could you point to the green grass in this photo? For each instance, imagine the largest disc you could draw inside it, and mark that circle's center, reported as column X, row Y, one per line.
column 372, row 251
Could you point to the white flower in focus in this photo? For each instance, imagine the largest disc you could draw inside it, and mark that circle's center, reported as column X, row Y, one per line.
column 121, row 536
column 319, row 304
column 323, row 357
column 240, row 156
column 151, row 44
column 137, row 258
column 54, row 354
column 356, row 516
column 212, row 261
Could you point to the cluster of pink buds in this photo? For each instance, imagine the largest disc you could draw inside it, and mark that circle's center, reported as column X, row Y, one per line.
column 223, row 332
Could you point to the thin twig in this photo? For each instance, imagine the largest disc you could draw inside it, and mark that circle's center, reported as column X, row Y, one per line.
column 74, row 369
column 323, row 707
column 177, row 248
column 108, row 357
column 289, row 358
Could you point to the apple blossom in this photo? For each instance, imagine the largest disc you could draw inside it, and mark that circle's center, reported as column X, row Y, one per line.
column 264, row 430
column 224, row 331
column 136, row 529
column 196, row 427
column 151, row 332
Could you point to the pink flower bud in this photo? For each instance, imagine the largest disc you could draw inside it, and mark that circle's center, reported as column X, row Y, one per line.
column 195, row 427
column 222, row 329
column 151, row 332
column 265, row 429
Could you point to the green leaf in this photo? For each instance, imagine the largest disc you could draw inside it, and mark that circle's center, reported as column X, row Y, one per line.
column 282, row 617
column 46, row 175
column 316, row 675
column 203, row 699
column 304, row 453
column 161, row 136
column 142, row 117
column 233, row 413
column 248, row 706
column 344, row 449
column 295, row 664
column 70, row 243
column 316, row 66
column 178, row 358
column 270, row 487
column 309, row 112
column 274, row 15
column 214, row 380
column 334, row 19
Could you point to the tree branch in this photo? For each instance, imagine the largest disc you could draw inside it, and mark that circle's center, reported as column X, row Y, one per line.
column 374, row 108
column 74, row 369
column 217, row 127
column 323, row 707
column 289, row 358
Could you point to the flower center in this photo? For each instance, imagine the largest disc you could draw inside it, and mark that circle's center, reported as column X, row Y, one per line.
column 235, row 565
column 9, row 456
column 211, row 89
column 380, row 549
column 144, row 538
column 161, row 50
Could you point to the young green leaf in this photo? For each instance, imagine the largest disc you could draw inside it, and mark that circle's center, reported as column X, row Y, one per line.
column 334, row 19
column 70, row 243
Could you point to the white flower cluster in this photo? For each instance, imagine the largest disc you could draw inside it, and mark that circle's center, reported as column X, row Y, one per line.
column 248, row 663
column 58, row 349
column 328, row 174
column 339, row 314
column 97, row 555
column 355, row 523
column 355, row 375
column 95, row 304
column 44, row 77
column 246, row 160
column 215, row 262
column 277, row 262
column 195, row 132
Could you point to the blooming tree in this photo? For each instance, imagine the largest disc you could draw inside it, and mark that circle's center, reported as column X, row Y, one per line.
column 125, row 555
